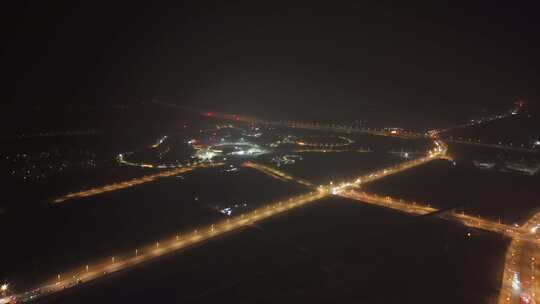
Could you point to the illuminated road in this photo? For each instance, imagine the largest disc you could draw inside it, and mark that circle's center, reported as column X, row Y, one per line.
column 423, row 209
column 89, row 272
column 516, row 148
column 131, row 182
column 325, row 145
column 298, row 125
column 388, row 202
column 518, row 105
column 275, row 173
column 96, row 270
column 159, row 142
column 439, row 151
column 330, row 150
column 519, row 282
column 469, row 124
column 520, row 277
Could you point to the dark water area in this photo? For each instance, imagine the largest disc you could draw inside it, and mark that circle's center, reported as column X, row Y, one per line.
column 332, row 251
column 46, row 239
column 511, row 197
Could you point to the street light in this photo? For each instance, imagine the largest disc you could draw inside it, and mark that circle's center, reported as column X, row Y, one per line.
column 4, row 287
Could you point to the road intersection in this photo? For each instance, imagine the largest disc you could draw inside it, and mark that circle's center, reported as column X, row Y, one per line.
column 519, row 283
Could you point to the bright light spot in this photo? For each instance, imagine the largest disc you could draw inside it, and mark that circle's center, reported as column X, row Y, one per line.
column 533, row 229
column 537, row 143
column 4, row 287
column 515, row 281
column 226, row 211
column 525, row 299
column 205, row 155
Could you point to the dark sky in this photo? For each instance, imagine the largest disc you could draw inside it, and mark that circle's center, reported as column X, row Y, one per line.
column 257, row 56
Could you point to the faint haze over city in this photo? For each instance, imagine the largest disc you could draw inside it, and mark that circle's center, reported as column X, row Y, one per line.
column 437, row 60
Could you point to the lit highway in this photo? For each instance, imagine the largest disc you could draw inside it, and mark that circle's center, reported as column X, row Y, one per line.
column 98, row 269
column 347, row 190
column 389, row 202
column 439, row 151
column 92, row 271
column 300, row 125
column 325, row 150
column 416, row 208
column 518, row 105
column 520, row 265
column 520, row 277
column 519, row 282
column 277, row 174
column 159, row 142
column 517, row 148
column 131, row 182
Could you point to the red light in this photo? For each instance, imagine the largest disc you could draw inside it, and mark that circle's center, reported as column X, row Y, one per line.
column 236, row 117
column 209, row 114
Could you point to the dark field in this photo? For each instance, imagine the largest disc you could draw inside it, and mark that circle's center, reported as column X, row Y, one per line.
column 332, row 251
column 58, row 237
column 511, row 197
column 320, row 167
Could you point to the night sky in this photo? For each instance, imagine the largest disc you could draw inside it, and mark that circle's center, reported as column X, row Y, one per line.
column 271, row 56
